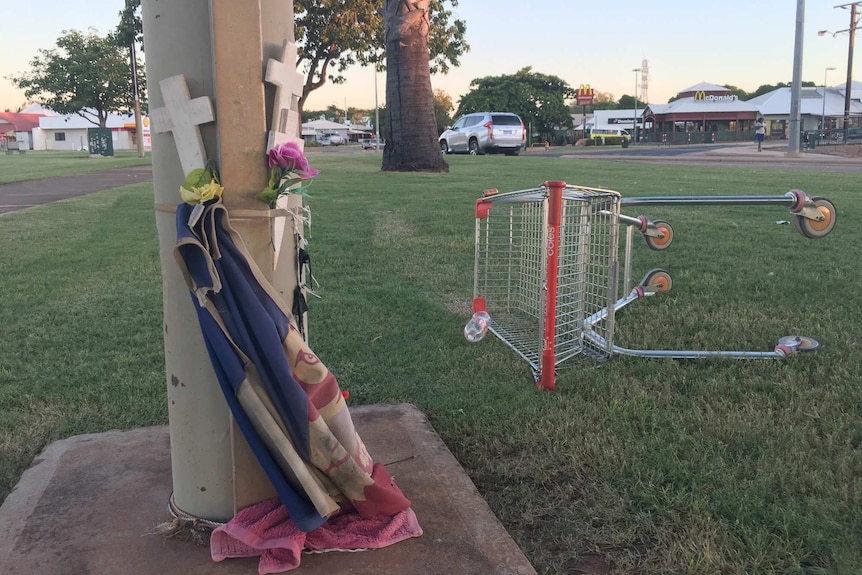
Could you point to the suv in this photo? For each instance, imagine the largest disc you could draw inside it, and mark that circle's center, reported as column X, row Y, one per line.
column 485, row 133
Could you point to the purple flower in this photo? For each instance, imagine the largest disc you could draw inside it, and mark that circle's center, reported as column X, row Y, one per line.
column 288, row 157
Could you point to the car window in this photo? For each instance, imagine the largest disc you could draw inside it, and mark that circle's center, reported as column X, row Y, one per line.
column 506, row 120
column 473, row 120
column 459, row 123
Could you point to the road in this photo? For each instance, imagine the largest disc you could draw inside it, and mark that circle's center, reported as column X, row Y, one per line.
column 20, row 195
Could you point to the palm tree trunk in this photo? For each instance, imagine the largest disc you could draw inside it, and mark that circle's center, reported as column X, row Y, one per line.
column 411, row 129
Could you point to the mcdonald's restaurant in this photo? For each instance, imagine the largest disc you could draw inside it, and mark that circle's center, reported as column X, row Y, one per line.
column 703, row 113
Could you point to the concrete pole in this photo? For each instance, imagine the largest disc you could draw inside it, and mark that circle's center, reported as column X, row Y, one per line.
column 220, row 46
column 796, row 84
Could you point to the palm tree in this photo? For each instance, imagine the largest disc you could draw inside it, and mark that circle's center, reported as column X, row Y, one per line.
column 411, row 129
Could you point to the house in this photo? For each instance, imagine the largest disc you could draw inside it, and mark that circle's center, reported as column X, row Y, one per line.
column 315, row 130
column 70, row 132
column 16, row 130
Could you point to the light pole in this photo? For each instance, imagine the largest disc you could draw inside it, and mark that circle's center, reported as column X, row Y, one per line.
column 635, row 130
column 376, row 113
column 823, row 113
column 848, row 89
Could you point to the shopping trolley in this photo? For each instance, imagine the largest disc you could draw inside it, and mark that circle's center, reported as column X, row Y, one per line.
column 546, row 277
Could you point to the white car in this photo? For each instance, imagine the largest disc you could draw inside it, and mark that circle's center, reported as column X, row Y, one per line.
column 330, row 139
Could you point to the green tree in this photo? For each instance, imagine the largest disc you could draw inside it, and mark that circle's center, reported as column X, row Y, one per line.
column 333, row 35
column 628, row 102
column 604, row 101
column 537, row 98
column 86, row 75
column 443, row 108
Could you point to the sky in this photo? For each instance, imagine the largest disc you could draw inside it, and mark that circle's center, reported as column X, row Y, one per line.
column 745, row 43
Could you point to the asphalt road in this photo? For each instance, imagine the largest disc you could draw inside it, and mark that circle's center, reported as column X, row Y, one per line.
column 21, row 195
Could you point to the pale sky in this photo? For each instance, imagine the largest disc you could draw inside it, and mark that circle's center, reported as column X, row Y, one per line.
column 741, row 42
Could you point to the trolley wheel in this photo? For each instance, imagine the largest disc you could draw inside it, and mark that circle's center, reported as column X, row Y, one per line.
column 813, row 229
column 659, row 244
column 798, row 343
column 658, row 278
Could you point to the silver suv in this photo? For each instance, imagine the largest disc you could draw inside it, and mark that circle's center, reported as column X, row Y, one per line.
column 485, row 133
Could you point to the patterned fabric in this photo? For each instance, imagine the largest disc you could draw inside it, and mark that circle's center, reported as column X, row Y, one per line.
column 286, row 403
column 265, row 530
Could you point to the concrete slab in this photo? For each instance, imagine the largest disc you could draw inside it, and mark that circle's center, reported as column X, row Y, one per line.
column 89, row 504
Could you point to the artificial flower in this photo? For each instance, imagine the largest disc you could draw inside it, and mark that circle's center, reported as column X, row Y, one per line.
column 201, row 186
column 201, row 194
column 289, row 172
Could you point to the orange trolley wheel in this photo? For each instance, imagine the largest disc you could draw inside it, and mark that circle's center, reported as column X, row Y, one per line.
column 658, row 278
column 658, row 244
column 813, row 229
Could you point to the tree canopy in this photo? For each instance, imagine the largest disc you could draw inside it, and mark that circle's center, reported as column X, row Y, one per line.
column 333, row 35
column 85, row 74
column 537, row 98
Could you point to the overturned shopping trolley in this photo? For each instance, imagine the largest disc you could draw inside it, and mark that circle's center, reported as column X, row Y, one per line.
column 546, row 277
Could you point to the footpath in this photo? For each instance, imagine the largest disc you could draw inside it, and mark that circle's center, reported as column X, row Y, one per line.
column 21, row 195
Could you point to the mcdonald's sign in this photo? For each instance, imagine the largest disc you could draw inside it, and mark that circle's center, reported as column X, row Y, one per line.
column 584, row 95
column 701, row 96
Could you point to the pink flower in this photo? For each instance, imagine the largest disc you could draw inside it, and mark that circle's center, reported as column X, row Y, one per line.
column 289, row 158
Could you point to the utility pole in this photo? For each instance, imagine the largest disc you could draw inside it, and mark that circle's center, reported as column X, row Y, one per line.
column 848, row 86
column 796, row 86
column 136, row 97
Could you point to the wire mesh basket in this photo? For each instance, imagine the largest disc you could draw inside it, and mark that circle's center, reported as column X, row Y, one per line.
column 546, row 260
column 546, row 277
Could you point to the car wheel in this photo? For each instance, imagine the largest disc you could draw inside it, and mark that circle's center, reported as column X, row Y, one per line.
column 474, row 148
column 444, row 147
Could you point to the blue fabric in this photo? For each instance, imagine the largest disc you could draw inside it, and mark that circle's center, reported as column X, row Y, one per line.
column 257, row 327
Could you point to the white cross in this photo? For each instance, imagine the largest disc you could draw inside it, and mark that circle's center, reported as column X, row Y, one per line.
column 181, row 116
column 288, row 89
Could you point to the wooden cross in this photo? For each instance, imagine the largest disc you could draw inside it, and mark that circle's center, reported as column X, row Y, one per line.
column 181, row 116
column 288, row 89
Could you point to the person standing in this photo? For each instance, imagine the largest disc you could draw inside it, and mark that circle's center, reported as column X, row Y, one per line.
column 760, row 133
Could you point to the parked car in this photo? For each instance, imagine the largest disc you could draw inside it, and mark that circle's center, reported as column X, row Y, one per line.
column 370, row 143
column 330, row 139
column 485, row 133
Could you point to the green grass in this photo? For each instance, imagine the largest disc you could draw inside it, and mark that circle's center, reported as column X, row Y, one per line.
column 36, row 165
column 659, row 466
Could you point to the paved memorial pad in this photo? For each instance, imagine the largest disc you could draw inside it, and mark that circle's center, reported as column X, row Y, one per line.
column 89, row 505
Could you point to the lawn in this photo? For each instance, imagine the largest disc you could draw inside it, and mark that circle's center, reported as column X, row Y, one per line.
column 34, row 165
column 657, row 466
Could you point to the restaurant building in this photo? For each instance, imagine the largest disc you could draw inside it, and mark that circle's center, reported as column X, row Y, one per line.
column 703, row 113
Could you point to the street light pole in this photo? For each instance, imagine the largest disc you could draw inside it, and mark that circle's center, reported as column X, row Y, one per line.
column 376, row 113
column 823, row 113
column 635, row 123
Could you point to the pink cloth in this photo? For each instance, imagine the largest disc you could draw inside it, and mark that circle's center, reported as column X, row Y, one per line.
column 265, row 529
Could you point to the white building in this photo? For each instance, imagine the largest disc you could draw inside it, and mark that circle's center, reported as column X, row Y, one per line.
column 815, row 105
column 312, row 131
column 70, row 132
